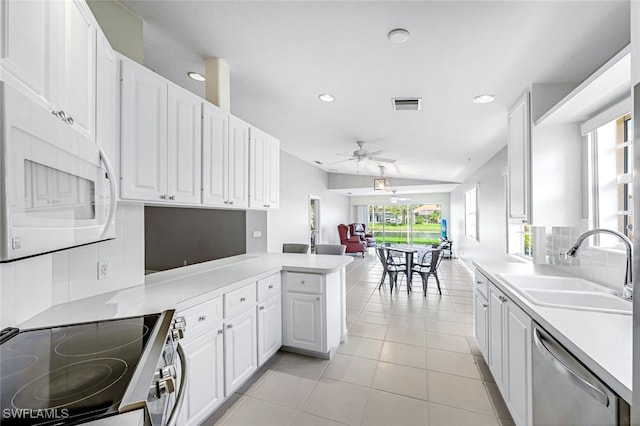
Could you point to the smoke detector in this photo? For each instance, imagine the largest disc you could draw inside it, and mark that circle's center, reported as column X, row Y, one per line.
column 406, row 104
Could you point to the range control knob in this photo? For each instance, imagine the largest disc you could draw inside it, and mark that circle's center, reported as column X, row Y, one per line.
column 168, row 372
column 177, row 334
column 165, row 387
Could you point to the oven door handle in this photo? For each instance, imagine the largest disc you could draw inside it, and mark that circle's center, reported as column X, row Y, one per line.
column 112, row 187
column 173, row 418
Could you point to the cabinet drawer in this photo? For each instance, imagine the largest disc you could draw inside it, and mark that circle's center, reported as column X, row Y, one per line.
column 304, row 283
column 268, row 287
column 202, row 317
column 240, row 300
column 481, row 284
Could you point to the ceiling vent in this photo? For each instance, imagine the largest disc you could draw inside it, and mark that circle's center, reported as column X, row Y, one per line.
column 406, row 104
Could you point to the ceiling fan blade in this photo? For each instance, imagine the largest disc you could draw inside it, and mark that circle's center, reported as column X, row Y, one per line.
column 382, row 160
column 340, row 161
column 373, row 154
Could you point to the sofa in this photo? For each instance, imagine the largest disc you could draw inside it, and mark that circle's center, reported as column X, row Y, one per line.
column 352, row 243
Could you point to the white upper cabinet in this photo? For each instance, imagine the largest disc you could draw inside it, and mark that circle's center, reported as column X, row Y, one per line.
column 215, row 136
column 50, row 48
column 519, row 161
column 264, row 170
column 225, row 159
column 143, row 143
column 184, row 145
column 160, row 138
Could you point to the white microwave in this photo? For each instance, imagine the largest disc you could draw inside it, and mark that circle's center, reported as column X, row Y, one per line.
column 57, row 189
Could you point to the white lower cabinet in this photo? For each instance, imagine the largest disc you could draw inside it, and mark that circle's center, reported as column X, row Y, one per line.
column 509, row 353
column 482, row 323
column 205, row 385
column 303, row 321
column 269, row 328
column 240, row 350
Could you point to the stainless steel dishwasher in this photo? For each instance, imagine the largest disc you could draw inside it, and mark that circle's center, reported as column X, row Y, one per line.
column 567, row 393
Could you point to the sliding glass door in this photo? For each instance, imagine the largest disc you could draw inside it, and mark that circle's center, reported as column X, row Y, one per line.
column 403, row 223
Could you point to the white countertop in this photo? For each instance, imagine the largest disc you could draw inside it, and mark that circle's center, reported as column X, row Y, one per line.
column 601, row 341
column 183, row 287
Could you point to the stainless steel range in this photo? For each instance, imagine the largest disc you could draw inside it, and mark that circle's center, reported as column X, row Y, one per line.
column 80, row 373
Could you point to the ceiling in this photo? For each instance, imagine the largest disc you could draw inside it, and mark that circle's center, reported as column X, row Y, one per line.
column 282, row 55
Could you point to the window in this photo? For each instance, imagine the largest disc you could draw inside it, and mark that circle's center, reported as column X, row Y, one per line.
column 403, row 223
column 471, row 212
column 610, row 157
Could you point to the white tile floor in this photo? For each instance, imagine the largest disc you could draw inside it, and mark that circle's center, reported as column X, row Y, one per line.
column 409, row 360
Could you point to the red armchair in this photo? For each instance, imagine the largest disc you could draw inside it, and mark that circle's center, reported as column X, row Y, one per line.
column 353, row 243
column 360, row 230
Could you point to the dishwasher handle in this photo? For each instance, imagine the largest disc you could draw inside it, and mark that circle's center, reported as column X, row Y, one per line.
column 555, row 358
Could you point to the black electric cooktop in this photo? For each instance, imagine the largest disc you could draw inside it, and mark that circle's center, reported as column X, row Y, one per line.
column 70, row 374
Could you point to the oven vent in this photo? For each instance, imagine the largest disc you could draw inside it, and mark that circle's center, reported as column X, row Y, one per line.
column 406, row 104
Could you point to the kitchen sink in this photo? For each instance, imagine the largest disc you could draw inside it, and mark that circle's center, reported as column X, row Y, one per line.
column 567, row 293
column 550, row 283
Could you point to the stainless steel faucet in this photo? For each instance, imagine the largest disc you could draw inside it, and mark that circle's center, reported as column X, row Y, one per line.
column 627, row 289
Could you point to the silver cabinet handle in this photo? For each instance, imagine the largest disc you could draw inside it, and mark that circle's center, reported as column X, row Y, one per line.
column 318, row 298
column 172, row 197
column 69, row 120
column 226, row 202
column 202, row 317
column 270, row 286
column 302, row 282
column 220, row 331
column 229, row 325
column 484, row 305
column 261, row 308
column 242, row 299
column 502, row 299
column 563, row 368
column 230, row 202
column 163, row 197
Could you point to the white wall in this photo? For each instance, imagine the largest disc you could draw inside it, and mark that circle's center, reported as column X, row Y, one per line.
column 492, row 239
column 290, row 224
column 33, row 285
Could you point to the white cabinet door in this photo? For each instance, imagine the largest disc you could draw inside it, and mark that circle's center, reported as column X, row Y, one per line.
column 184, row 146
column 519, row 161
column 240, row 350
column 269, row 328
column 24, row 48
column 482, row 323
column 205, row 383
column 257, row 168
column 518, row 363
column 215, row 137
column 273, row 178
column 264, row 173
column 303, row 321
column 143, row 173
column 495, row 360
column 238, row 158
column 75, row 72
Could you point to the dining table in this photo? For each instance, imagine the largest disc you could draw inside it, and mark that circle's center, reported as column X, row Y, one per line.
column 409, row 253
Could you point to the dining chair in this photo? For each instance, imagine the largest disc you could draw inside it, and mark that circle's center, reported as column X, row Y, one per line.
column 390, row 268
column 337, row 249
column 428, row 266
column 295, row 248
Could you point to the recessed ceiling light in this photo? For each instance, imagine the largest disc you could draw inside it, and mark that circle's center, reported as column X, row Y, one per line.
column 196, row 76
column 399, row 35
column 325, row 97
column 484, row 99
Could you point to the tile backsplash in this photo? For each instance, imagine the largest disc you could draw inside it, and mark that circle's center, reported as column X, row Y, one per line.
column 604, row 265
column 33, row 285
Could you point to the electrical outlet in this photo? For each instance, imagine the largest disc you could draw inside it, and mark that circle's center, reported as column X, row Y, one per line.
column 104, row 269
column 257, row 234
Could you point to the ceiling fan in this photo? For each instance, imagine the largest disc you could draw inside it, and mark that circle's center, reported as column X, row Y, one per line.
column 361, row 154
column 395, row 198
